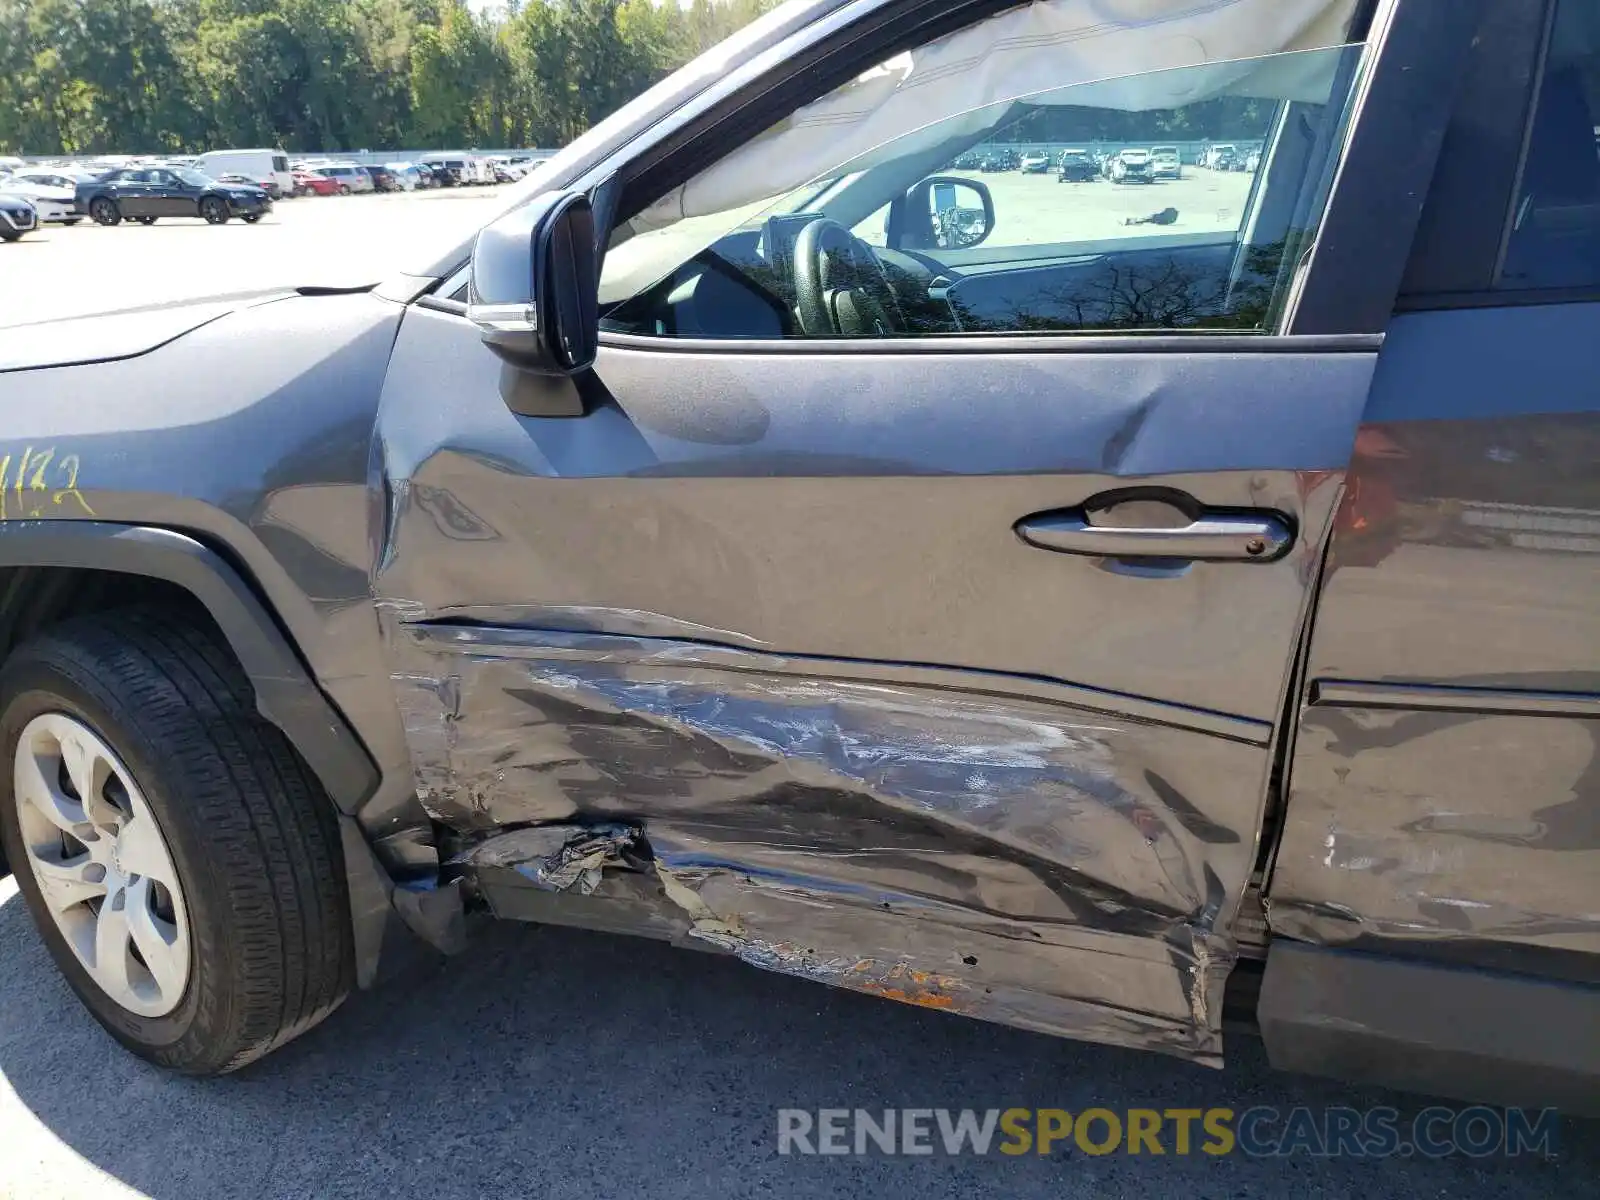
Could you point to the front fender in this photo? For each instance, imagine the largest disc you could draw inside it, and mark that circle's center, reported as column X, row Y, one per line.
column 245, row 443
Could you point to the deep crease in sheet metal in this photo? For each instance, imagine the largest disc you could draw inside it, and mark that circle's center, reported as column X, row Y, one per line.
column 988, row 854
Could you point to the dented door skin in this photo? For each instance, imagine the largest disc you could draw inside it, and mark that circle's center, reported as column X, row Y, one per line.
column 751, row 657
column 1445, row 790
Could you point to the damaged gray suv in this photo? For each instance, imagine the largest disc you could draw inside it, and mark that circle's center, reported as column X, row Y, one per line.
column 767, row 536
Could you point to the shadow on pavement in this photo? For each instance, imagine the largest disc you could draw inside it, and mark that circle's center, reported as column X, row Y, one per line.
column 551, row 1062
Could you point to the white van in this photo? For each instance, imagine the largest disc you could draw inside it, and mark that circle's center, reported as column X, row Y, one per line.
column 269, row 168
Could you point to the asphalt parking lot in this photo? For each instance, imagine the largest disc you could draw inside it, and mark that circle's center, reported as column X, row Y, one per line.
column 59, row 271
column 556, row 1063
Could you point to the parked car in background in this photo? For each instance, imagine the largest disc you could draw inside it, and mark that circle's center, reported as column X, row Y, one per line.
column 998, row 160
column 1218, row 156
column 51, row 194
column 970, row 161
column 147, row 194
column 17, row 216
column 56, row 175
column 1165, row 162
column 504, row 168
column 348, row 177
column 1132, row 165
column 448, row 172
column 383, row 179
column 406, row 175
column 1076, row 166
column 267, row 169
column 1034, row 162
column 1252, row 161
column 314, row 183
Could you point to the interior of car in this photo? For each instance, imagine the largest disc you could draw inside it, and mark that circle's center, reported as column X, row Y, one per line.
column 900, row 242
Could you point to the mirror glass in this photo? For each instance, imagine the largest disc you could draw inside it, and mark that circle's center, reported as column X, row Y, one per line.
column 958, row 215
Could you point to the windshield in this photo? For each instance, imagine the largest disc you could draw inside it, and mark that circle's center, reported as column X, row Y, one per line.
column 194, row 178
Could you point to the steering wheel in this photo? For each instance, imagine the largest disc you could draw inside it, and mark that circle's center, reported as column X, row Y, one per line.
column 840, row 286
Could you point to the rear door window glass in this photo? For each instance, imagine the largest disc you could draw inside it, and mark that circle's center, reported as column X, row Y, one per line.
column 1555, row 234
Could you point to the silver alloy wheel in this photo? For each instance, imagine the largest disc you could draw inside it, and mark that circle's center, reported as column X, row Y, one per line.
column 102, row 867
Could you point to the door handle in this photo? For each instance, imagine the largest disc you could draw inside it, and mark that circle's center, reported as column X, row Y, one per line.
column 1213, row 537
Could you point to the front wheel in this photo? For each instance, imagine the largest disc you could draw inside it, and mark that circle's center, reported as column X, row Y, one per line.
column 180, row 861
column 105, row 212
column 214, row 210
column 250, row 218
column 344, row 189
column 145, row 220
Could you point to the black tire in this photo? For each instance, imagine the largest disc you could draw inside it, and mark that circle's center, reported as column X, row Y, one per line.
column 105, row 212
column 344, row 189
column 249, row 218
column 253, row 839
column 9, row 235
column 215, row 210
column 146, row 220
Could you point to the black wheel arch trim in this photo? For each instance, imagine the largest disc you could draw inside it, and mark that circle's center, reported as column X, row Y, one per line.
column 286, row 692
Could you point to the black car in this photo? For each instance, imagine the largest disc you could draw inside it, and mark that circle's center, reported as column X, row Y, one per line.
column 146, row 194
column 1075, row 166
column 383, row 179
column 17, row 217
column 999, row 160
column 447, row 172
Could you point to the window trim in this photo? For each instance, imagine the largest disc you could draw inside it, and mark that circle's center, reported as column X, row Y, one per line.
column 1352, row 276
column 1455, row 194
column 1530, row 115
column 1467, row 213
column 1159, row 342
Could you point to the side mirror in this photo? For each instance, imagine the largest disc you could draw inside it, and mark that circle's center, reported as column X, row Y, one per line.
column 942, row 212
column 534, row 287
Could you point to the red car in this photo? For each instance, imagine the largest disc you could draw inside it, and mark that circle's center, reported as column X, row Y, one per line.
column 311, row 183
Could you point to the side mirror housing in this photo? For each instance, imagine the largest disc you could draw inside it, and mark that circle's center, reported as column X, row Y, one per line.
column 942, row 212
column 534, row 286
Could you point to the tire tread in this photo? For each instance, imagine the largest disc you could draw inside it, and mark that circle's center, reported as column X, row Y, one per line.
column 268, row 830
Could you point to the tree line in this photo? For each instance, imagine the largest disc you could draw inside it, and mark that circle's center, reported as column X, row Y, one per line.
column 165, row 76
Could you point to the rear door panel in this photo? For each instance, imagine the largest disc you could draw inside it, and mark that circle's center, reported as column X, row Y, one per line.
column 771, row 608
column 1445, row 791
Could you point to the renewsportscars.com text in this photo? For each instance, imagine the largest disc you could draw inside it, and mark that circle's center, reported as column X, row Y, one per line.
column 1259, row 1132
